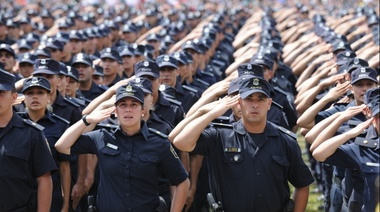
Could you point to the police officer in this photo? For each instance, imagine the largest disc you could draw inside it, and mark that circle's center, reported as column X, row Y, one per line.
column 25, row 64
column 168, row 75
column 134, row 186
column 25, row 158
column 112, row 66
column 37, row 99
column 252, row 161
column 8, row 57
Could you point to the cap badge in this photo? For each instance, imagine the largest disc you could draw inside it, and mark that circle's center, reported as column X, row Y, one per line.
column 166, row 58
column 128, row 88
column 137, row 80
column 26, row 56
column 3, row 45
column 260, row 56
column 255, row 81
column 43, row 61
column 80, row 56
column 34, row 80
column 362, row 70
column 249, row 66
column 356, row 61
column 347, row 54
column 146, row 63
column 176, row 55
column 108, row 50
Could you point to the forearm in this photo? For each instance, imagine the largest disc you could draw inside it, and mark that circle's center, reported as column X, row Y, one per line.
column 205, row 99
column 300, row 197
column 44, row 192
column 97, row 101
column 185, row 159
column 65, row 173
column 179, row 196
column 318, row 128
column 92, row 161
column 307, row 119
column 307, row 101
column 329, row 146
column 180, row 126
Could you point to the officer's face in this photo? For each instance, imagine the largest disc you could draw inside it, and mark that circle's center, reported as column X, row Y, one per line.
column 183, row 71
column 128, row 62
column 36, row 99
column 85, row 72
column 76, row 46
column 168, row 75
column 62, row 84
column 13, row 32
column 8, row 60
column 254, row 108
column 359, row 89
column 55, row 54
column 7, row 98
column 71, row 87
column 129, row 112
column 110, row 66
column 26, row 69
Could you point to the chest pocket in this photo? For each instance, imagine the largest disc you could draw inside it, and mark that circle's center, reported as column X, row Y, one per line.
column 370, row 168
column 15, row 163
column 147, row 165
column 233, row 166
column 111, row 160
column 280, row 167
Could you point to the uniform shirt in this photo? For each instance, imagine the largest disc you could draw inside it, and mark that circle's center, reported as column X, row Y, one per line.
column 170, row 112
column 66, row 109
column 24, row 156
column 159, row 124
column 250, row 178
column 129, row 167
column 95, row 91
column 116, row 80
column 187, row 98
column 362, row 158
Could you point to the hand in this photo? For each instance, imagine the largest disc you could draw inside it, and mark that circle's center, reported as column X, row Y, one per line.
column 222, row 88
column 338, row 91
column 359, row 128
column 351, row 112
column 99, row 115
column 106, row 104
column 19, row 100
column 189, row 198
column 225, row 104
column 120, row 83
column 76, row 194
column 331, row 80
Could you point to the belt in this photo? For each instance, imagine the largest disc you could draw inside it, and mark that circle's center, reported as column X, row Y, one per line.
column 337, row 180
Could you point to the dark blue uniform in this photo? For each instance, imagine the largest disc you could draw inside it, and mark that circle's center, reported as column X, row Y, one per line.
column 186, row 97
column 66, row 109
column 129, row 167
column 362, row 155
column 173, row 113
column 253, row 175
column 95, row 91
column 24, row 156
column 54, row 127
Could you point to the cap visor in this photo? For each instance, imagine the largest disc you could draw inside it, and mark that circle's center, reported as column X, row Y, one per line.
column 44, row 71
column 142, row 74
column 5, row 87
column 252, row 91
column 163, row 64
column 122, row 96
column 35, row 86
column 361, row 78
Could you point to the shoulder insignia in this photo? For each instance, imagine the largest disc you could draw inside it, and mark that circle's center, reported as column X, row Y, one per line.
column 203, row 82
column 174, row 101
column 71, row 102
column 207, row 73
column 60, row 118
column 288, row 132
column 277, row 105
column 279, row 90
column 215, row 124
column 189, row 88
column 221, row 119
column 33, row 124
column 367, row 142
column 163, row 135
column 108, row 126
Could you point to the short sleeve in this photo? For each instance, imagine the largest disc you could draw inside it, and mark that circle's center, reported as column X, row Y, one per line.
column 171, row 165
column 42, row 158
column 88, row 143
column 205, row 142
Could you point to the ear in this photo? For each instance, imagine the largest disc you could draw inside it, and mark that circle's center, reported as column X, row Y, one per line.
column 269, row 103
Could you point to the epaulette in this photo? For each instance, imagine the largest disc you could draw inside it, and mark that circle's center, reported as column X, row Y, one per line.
column 80, row 102
column 367, row 142
column 189, row 88
column 207, row 73
column 174, row 101
column 277, row 105
column 103, row 87
column 215, row 124
column 163, row 135
column 33, row 124
column 60, row 118
column 288, row 132
column 222, row 120
column 71, row 102
column 203, row 82
column 278, row 89
column 108, row 126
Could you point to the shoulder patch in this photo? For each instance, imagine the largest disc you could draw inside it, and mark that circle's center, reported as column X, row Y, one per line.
column 288, row 132
column 207, row 73
column 71, row 102
column 188, row 88
column 60, row 118
column 203, row 82
column 367, row 142
column 163, row 135
column 33, row 124
column 174, row 101
column 277, row 105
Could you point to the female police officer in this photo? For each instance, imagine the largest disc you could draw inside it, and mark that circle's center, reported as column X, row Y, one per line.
column 37, row 99
column 129, row 157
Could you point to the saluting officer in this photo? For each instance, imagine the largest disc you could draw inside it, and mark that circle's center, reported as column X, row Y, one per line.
column 252, row 161
column 129, row 157
column 26, row 162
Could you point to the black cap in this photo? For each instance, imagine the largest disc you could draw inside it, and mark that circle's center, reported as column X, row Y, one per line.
column 126, row 51
column 340, row 45
column 370, row 95
column 262, row 59
column 40, row 82
column 144, row 67
column 355, row 63
column 129, row 28
column 180, row 57
column 82, row 58
column 54, row 44
column 248, row 69
column 11, row 23
column 112, row 54
column 7, row 81
column 63, row 69
column 24, row 44
column 153, row 37
column 191, row 45
column 130, row 90
column 42, row 51
column 343, row 57
column 46, row 66
column 26, row 58
column 24, row 20
column 63, row 37
column 143, row 83
column 98, row 71
column 138, row 49
column 234, row 86
column 363, row 73
column 7, row 48
column 166, row 60
column 74, row 34
column 254, row 85
column 73, row 73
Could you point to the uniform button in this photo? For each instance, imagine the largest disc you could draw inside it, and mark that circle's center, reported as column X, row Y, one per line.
column 257, row 173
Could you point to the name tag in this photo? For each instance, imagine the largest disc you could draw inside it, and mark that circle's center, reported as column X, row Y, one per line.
column 112, row 146
column 232, row 149
column 372, row 164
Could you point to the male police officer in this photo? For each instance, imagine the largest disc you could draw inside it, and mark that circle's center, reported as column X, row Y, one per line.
column 25, row 158
column 252, row 161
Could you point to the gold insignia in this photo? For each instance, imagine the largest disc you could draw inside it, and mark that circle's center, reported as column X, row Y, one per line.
column 128, row 88
column 255, row 81
column 173, row 152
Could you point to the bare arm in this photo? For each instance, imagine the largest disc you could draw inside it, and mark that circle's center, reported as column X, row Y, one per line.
column 65, row 173
column 179, row 196
column 300, row 196
column 44, row 192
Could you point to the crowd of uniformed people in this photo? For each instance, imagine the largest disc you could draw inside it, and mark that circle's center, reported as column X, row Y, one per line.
column 174, row 108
